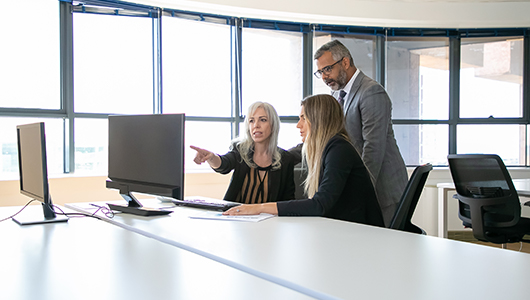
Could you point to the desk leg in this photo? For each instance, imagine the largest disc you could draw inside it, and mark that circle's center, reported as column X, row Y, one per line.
column 442, row 212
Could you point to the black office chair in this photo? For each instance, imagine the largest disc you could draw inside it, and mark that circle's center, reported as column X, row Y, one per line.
column 300, row 175
column 403, row 215
column 487, row 199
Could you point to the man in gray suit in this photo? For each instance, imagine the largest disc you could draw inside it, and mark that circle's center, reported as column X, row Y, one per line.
column 368, row 117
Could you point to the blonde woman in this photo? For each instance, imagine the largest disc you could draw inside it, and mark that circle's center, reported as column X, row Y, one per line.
column 338, row 184
column 263, row 172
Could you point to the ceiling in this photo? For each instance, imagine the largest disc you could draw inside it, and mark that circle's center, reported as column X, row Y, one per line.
column 380, row 13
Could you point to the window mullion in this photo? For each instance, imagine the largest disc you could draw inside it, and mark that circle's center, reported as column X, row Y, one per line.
column 236, row 60
column 157, row 64
column 454, row 91
column 67, row 85
column 307, row 63
column 380, row 60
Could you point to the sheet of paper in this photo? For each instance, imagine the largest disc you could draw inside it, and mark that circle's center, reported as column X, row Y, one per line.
column 212, row 215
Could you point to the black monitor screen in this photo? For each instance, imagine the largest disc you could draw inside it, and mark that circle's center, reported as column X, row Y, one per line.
column 33, row 172
column 146, row 154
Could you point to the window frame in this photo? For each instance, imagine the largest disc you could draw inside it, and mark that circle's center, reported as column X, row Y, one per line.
column 68, row 7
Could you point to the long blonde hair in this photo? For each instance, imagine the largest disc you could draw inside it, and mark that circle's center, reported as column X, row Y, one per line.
column 245, row 143
column 325, row 118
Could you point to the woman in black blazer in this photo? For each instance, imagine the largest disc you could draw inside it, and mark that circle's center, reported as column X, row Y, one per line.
column 263, row 172
column 338, row 183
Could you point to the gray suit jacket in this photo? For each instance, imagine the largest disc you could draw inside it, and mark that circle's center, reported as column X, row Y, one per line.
column 368, row 116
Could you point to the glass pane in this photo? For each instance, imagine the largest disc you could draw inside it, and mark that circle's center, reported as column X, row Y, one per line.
column 418, row 78
column 421, row 144
column 212, row 136
column 8, row 142
column 196, row 68
column 29, row 64
column 272, row 69
column 91, row 146
column 362, row 51
column 491, row 78
column 289, row 136
column 507, row 141
column 113, row 64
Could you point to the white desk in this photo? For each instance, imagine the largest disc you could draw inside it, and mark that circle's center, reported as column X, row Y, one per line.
column 91, row 259
column 330, row 259
column 521, row 185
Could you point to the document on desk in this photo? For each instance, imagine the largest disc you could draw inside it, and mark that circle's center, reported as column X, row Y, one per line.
column 212, row 215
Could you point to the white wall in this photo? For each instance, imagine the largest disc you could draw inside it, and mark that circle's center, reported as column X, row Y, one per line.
column 378, row 13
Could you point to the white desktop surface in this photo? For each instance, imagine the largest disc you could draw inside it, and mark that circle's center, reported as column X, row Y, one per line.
column 331, row 259
column 91, row 259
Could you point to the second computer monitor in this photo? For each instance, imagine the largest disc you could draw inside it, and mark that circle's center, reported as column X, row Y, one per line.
column 146, row 155
column 33, row 170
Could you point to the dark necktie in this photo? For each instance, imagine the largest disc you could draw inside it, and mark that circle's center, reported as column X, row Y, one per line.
column 341, row 99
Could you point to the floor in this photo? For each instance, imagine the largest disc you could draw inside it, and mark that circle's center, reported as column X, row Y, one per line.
column 467, row 236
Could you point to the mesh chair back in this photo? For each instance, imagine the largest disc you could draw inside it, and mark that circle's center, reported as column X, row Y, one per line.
column 484, row 176
column 486, row 194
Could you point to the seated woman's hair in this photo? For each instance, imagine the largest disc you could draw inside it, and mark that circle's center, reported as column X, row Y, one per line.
column 245, row 143
column 326, row 119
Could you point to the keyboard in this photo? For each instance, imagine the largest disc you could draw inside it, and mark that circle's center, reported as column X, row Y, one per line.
column 209, row 204
column 140, row 211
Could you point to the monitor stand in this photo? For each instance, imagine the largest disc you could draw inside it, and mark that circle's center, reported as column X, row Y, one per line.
column 136, row 208
column 32, row 217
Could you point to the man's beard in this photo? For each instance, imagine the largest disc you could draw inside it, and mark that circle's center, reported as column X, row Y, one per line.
column 340, row 83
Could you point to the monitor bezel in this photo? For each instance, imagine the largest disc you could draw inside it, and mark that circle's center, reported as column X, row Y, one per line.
column 127, row 186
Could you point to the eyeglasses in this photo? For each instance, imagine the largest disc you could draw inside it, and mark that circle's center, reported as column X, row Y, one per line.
column 327, row 69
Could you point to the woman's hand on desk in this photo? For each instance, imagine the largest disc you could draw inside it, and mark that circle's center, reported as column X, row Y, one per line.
column 253, row 209
column 204, row 155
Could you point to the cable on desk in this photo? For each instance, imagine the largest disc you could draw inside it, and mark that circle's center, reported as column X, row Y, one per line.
column 107, row 212
column 12, row 216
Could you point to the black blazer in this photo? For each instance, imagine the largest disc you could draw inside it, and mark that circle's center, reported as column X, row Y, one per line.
column 281, row 181
column 345, row 190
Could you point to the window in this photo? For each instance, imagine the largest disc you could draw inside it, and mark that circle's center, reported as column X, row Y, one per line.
column 491, row 78
column 91, row 146
column 212, row 136
column 113, row 64
column 289, row 136
column 417, row 81
column 122, row 66
column 30, row 81
column 504, row 140
column 196, row 68
column 423, row 143
column 417, row 78
column 272, row 69
column 30, row 68
column 491, row 87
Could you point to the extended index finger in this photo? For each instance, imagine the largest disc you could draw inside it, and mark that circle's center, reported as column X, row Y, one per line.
column 197, row 148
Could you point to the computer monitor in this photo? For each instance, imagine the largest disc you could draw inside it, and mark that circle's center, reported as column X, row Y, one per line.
column 146, row 155
column 33, row 170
